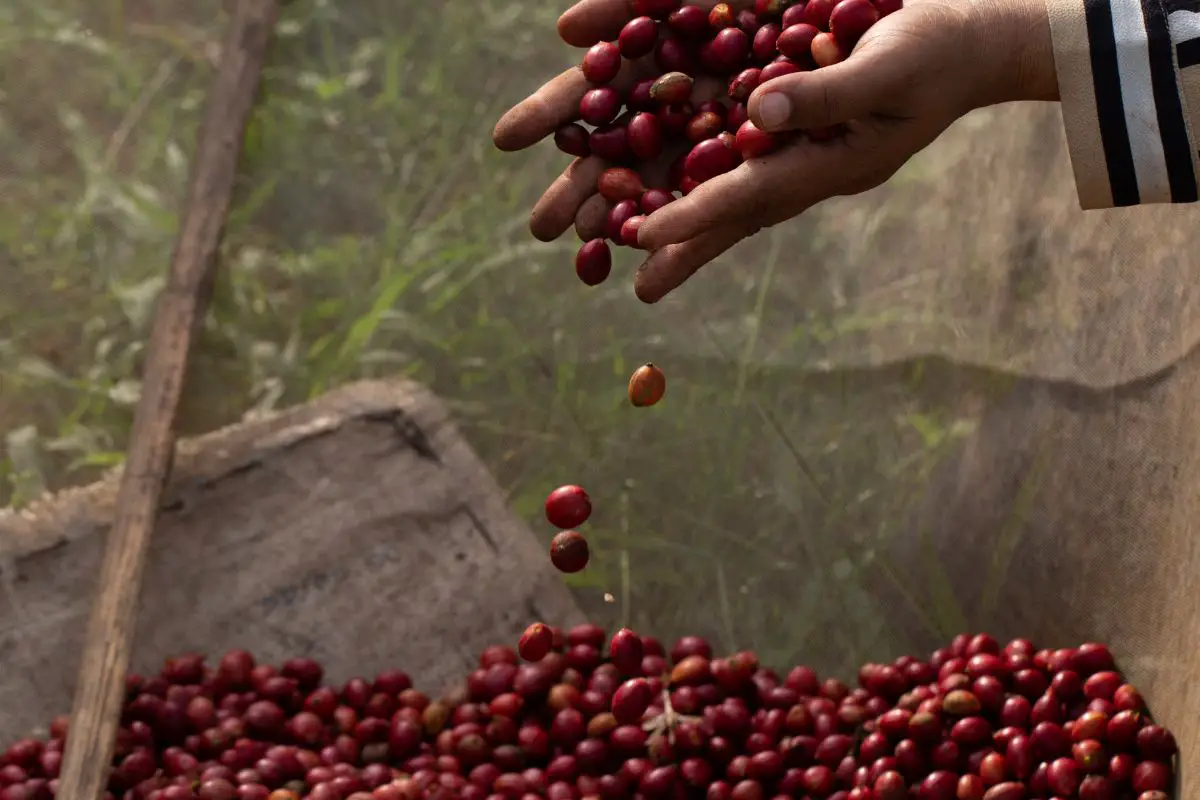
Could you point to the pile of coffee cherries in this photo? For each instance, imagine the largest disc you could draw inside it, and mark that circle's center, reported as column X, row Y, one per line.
column 681, row 51
column 589, row 717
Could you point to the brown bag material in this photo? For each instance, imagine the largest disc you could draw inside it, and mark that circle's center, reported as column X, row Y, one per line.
column 976, row 251
column 811, row 487
column 359, row 529
column 1063, row 518
column 956, row 403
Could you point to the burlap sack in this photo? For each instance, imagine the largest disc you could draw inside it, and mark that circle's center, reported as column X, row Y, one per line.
column 975, row 251
column 1068, row 512
column 359, row 529
column 1050, row 353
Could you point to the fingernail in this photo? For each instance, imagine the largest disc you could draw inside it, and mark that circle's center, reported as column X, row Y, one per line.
column 774, row 109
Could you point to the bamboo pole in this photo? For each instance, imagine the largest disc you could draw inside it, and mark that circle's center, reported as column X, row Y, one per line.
column 181, row 307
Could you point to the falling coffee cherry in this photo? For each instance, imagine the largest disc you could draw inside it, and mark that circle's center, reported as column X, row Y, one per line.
column 535, row 642
column 568, row 507
column 569, row 551
column 647, row 385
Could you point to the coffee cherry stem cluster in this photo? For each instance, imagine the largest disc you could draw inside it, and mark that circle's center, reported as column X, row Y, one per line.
column 582, row 718
column 664, row 724
column 664, row 112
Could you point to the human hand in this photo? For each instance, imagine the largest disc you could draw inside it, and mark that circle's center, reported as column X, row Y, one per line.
column 907, row 80
column 572, row 198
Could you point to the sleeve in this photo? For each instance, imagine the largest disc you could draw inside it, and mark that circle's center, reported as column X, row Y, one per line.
column 1129, row 81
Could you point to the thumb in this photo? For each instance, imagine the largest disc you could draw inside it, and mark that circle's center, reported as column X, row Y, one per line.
column 824, row 97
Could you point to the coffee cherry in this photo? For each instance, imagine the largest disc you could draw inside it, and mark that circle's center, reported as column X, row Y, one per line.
column 647, row 386
column 569, row 551
column 568, row 507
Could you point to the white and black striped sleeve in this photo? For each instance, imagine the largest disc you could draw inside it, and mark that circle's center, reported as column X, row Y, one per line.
column 1129, row 79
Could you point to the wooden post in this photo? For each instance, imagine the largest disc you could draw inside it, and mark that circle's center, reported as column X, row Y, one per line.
column 100, row 688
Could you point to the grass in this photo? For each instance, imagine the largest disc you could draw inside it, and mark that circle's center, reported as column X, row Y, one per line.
column 377, row 232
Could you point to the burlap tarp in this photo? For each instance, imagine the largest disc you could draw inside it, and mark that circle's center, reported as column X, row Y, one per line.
column 1066, row 344
column 955, row 391
column 359, row 529
column 975, row 251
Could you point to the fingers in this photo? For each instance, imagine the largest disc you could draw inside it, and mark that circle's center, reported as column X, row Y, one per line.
column 573, row 197
column 557, row 102
column 829, row 96
column 551, row 107
column 762, row 189
column 591, row 21
column 592, row 218
column 556, row 210
column 668, row 268
column 542, row 113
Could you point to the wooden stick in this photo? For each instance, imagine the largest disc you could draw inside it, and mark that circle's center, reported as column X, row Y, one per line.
column 100, row 688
